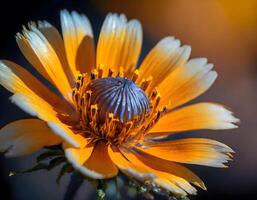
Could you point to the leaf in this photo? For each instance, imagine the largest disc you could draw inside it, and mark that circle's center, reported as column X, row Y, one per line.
column 66, row 168
column 54, row 147
column 37, row 167
column 75, row 183
column 48, row 155
column 55, row 162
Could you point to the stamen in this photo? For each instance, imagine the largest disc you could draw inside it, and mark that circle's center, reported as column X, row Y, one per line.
column 110, row 72
column 146, row 82
column 135, row 75
column 100, row 72
column 94, row 74
column 121, row 72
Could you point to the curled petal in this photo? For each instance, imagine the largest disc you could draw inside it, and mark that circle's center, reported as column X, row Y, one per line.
column 25, row 137
column 93, row 162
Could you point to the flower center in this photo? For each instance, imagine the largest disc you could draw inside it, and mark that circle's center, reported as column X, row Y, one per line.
column 119, row 96
column 114, row 109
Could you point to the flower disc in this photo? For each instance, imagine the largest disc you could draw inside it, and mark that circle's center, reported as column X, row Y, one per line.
column 119, row 96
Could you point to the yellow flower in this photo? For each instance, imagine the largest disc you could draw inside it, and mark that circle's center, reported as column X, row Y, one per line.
column 111, row 115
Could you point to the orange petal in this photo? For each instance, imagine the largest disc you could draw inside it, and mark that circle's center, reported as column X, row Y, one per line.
column 16, row 79
column 41, row 109
column 187, row 82
column 162, row 60
column 79, row 42
column 119, row 43
column 78, row 156
column 170, row 167
column 191, row 150
column 93, row 162
column 166, row 180
column 51, row 56
column 25, row 137
column 55, row 40
column 67, row 134
column 131, row 169
column 193, row 117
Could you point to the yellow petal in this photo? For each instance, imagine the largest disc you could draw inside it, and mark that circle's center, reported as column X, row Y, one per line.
column 18, row 80
column 25, row 137
column 79, row 42
column 196, row 116
column 169, row 167
column 51, row 58
column 129, row 168
column 78, row 156
column 187, row 82
column 55, row 40
column 162, row 60
column 166, row 180
column 41, row 109
column 131, row 165
column 66, row 133
column 93, row 162
column 119, row 43
column 191, row 150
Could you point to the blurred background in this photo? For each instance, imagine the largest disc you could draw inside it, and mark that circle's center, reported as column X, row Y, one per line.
column 224, row 31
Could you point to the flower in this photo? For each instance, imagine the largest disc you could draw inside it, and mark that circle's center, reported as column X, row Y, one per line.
column 111, row 115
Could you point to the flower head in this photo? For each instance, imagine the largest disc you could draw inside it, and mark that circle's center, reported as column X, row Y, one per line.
column 112, row 114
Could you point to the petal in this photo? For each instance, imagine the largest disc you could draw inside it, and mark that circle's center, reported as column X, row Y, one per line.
column 55, row 40
column 162, row 60
column 25, row 137
column 191, row 150
column 93, row 162
column 119, row 43
column 170, row 167
column 66, row 133
column 166, row 180
column 187, row 82
column 131, row 165
column 16, row 79
column 51, row 56
column 41, row 109
column 131, row 169
column 79, row 42
column 196, row 116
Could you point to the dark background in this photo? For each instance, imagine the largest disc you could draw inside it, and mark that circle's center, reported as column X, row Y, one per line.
column 222, row 30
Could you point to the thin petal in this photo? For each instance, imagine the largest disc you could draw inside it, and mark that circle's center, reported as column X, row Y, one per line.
column 54, row 38
column 25, row 137
column 18, row 80
column 196, row 116
column 162, row 60
column 67, row 134
column 170, row 167
column 166, row 180
column 133, row 166
column 191, row 150
column 93, row 162
column 131, row 169
column 49, row 57
column 79, row 42
column 187, row 82
column 41, row 109
column 119, row 43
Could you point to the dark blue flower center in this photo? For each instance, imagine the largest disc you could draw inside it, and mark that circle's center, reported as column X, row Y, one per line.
column 120, row 96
